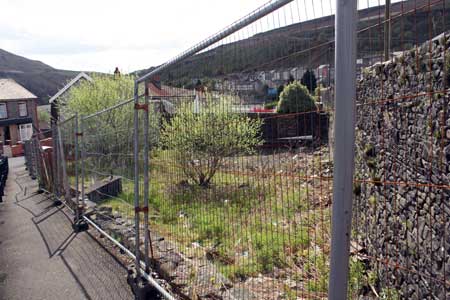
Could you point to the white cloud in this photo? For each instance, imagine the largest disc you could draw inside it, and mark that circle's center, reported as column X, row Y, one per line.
column 101, row 34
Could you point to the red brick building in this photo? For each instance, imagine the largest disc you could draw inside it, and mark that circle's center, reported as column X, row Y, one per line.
column 18, row 113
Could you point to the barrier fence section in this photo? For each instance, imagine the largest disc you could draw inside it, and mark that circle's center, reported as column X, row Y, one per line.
column 241, row 179
column 221, row 168
column 400, row 237
column 67, row 178
column 38, row 160
column 107, row 161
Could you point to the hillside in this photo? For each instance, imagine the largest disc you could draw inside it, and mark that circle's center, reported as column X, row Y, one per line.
column 311, row 44
column 39, row 78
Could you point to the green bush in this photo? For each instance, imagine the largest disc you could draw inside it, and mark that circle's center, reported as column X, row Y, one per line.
column 295, row 98
column 202, row 136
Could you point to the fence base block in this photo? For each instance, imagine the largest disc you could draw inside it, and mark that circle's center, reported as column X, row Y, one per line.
column 140, row 287
column 80, row 226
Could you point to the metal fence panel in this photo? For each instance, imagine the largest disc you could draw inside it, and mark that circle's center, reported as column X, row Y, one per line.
column 228, row 158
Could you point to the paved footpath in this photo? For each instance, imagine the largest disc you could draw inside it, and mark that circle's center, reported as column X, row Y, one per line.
column 40, row 255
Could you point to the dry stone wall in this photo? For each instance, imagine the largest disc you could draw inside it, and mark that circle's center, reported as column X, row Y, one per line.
column 402, row 203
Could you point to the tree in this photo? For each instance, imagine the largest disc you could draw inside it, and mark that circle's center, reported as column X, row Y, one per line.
column 110, row 134
column 44, row 116
column 309, row 80
column 295, row 98
column 201, row 140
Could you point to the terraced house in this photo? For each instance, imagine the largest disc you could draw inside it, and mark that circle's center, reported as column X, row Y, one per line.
column 18, row 115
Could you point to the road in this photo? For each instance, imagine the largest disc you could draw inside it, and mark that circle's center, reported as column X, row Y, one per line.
column 40, row 255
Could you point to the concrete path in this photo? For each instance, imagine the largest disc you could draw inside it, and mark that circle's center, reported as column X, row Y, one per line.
column 40, row 255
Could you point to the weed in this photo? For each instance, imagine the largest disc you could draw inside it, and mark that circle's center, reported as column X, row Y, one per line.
column 389, row 294
column 356, row 277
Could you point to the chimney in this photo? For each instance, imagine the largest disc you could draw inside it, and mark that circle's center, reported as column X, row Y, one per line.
column 116, row 72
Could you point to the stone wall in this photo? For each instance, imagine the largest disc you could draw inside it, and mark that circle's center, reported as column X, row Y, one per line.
column 402, row 203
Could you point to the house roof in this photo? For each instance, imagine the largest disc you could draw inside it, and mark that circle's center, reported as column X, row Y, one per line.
column 62, row 91
column 11, row 90
column 168, row 91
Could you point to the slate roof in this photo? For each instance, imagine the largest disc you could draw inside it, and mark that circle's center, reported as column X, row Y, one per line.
column 11, row 90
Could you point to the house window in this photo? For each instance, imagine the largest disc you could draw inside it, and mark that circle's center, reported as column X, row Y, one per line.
column 25, row 131
column 23, row 109
column 3, row 111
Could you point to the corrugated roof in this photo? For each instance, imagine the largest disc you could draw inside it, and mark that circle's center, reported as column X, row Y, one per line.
column 11, row 90
column 62, row 91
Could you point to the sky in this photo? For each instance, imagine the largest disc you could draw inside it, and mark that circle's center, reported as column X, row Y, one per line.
column 98, row 35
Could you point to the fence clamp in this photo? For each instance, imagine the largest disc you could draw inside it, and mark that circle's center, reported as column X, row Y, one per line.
column 141, row 106
column 141, row 209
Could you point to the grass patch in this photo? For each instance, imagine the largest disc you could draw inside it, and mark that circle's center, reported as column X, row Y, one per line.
column 245, row 224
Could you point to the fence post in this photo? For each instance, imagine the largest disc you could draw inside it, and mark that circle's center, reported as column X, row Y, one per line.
column 61, row 159
column 75, row 133
column 345, row 94
column 387, row 30
column 136, row 179
column 33, row 160
column 82, row 152
column 54, row 161
column 147, row 239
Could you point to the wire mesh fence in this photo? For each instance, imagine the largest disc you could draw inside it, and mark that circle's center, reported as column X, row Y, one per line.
column 38, row 160
column 67, row 168
column 222, row 170
column 108, row 165
column 241, row 180
column 400, row 240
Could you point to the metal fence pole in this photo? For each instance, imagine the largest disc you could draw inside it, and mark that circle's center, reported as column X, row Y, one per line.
column 36, row 160
column 136, row 177
column 77, row 194
column 387, row 30
column 54, row 161
column 146, row 180
column 345, row 95
column 65, row 182
column 82, row 147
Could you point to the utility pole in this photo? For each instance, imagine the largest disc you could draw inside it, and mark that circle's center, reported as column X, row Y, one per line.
column 387, row 30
